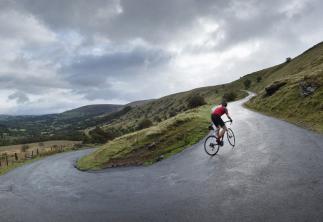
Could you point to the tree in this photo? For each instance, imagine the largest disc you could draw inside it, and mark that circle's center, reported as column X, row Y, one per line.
column 195, row 101
column 247, row 83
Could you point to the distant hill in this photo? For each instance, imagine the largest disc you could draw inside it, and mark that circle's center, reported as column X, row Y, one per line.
column 90, row 110
column 139, row 103
column 65, row 125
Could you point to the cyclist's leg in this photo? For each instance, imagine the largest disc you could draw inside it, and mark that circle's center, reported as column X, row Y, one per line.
column 217, row 133
column 224, row 129
column 215, row 122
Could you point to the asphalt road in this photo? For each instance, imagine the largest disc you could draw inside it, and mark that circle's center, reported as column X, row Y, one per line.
column 275, row 173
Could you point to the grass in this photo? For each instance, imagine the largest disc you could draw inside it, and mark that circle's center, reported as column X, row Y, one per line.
column 150, row 145
column 287, row 103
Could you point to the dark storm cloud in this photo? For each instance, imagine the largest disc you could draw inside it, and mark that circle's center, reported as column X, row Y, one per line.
column 93, row 70
column 28, row 84
column 120, row 19
column 157, row 21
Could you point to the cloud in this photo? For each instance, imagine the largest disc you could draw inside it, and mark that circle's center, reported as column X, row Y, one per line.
column 19, row 97
column 94, row 70
column 82, row 52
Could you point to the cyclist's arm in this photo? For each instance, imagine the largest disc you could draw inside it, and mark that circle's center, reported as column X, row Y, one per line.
column 227, row 113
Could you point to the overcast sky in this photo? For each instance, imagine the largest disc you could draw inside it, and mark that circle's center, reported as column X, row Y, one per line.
column 58, row 54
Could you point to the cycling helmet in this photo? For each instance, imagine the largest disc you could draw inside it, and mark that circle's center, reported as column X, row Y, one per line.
column 224, row 103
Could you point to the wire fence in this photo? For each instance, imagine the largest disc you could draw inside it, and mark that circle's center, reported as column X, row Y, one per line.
column 8, row 159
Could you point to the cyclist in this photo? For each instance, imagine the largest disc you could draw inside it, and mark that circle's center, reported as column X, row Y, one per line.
column 217, row 112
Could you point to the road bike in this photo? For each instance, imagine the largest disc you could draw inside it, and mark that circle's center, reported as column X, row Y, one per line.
column 211, row 146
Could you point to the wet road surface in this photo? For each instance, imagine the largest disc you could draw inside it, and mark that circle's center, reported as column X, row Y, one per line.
column 275, row 173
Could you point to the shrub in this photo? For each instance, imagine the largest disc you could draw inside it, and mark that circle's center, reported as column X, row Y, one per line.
column 144, row 123
column 98, row 135
column 258, row 78
column 196, row 101
column 270, row 90
column 247, row 83
column 157, row 119
column 230, row 96
column 172, row 113
column 288, row 59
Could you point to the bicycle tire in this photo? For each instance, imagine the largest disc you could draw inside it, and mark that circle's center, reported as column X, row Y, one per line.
column 231, row 138
column 210, row 146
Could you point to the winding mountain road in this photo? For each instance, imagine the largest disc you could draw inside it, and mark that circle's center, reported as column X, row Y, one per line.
column 275, row 173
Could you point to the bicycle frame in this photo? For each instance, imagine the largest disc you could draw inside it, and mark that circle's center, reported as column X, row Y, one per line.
column 215, row 129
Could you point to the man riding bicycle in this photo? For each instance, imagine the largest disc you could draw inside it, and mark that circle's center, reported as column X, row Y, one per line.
column 217, row 112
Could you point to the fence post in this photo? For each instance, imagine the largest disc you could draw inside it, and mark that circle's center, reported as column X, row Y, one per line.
column 16, row 156
column 7, row 160
column 37, row 152
column 32, row 154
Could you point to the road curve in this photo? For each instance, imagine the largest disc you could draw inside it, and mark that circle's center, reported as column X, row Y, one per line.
column 275, row 173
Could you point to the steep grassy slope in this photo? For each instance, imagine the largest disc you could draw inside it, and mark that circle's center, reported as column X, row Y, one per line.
column 287, row 103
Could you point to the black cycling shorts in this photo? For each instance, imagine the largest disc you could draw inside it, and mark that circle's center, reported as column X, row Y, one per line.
column 217, row 120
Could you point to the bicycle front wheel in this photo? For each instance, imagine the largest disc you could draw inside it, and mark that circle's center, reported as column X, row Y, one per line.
column 211, row 147
column 231, row 137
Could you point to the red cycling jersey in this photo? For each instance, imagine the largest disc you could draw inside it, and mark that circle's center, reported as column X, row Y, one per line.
column 219, row 111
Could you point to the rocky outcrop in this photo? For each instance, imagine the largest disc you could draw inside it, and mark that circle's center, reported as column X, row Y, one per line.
column 307, row 88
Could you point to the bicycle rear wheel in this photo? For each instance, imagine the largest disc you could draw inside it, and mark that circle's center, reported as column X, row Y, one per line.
column 211, row 147
column 231, row 137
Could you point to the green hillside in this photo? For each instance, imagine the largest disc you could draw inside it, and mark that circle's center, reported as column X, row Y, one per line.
column 66, row 125
column 297, row 76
